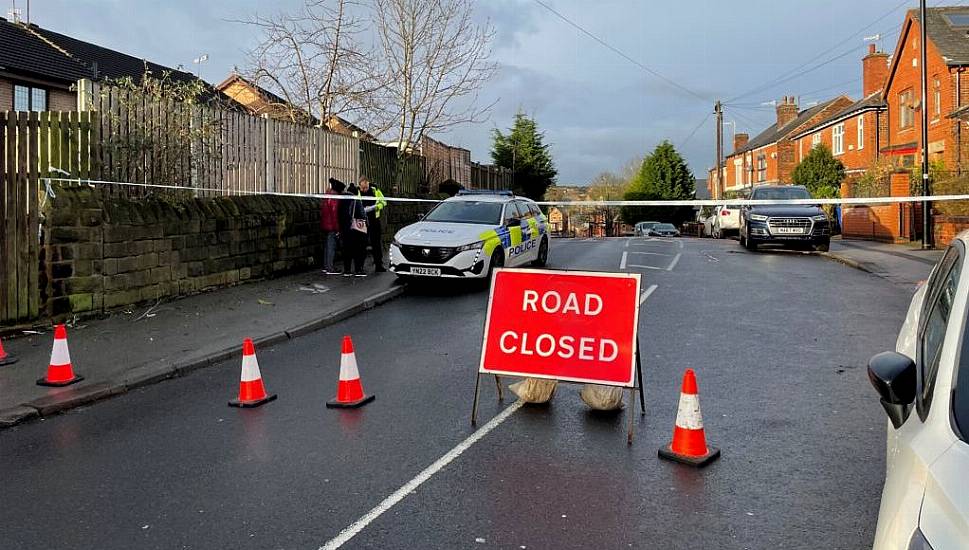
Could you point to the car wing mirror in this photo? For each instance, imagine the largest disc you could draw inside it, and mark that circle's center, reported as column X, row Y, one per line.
column 894, row 377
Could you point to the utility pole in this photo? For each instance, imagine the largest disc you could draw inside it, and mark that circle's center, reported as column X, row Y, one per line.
column 927, row 240
column 718, row 110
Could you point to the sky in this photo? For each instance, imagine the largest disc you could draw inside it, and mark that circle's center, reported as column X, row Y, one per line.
column 598, row 109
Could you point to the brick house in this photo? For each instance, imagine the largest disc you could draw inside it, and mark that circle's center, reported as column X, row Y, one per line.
column 947, row 56
column 855, row 134
column 771, row 156
column 40, row 69
column 260, row 101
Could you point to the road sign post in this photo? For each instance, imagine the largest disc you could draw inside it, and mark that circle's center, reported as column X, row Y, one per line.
column 570, row 326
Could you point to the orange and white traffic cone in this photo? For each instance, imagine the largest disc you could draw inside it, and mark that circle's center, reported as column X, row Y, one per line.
column 689, row 444
column 6, row 358
column 252, row 392
column 349, row 392
column 60, row 372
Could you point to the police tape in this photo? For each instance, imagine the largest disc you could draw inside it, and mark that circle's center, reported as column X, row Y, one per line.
column 581, row 203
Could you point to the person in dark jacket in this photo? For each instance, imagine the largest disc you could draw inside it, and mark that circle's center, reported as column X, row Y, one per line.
column 330, row 225
column 354, row 240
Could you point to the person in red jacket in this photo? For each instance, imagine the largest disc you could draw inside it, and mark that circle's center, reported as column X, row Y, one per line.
column 330, row 225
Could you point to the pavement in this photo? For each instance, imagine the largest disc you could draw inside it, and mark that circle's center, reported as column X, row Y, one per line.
column 148, row 344
column 903, row 264
column 779, row 342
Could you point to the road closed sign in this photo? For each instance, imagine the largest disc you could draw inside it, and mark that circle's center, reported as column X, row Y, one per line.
column 573, row 326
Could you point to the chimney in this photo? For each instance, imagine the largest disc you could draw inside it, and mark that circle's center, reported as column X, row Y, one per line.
column 874, row 71
column 739, row 141
column 786, row 111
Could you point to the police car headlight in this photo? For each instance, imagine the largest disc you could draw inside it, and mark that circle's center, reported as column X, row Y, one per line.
column 472, row 246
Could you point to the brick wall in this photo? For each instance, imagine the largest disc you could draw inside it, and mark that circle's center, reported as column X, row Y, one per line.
column 101, row 253
column 6, row 95
column 887, row 222
column 61, row 100
column 947, row 227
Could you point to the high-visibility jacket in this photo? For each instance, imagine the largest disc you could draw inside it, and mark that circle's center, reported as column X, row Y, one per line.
column 378, row 196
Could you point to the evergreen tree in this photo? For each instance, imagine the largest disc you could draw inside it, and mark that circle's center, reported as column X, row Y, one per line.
column 820, row 172
column 523, row 151
column 663, row 175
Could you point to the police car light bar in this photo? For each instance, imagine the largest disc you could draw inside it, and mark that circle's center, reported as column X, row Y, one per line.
column 502, row 192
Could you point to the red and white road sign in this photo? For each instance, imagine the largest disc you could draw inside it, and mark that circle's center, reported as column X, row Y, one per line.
column 565, row 325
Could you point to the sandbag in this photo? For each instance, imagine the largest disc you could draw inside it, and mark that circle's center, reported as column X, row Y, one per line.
column 602, row 398
column 534, row 390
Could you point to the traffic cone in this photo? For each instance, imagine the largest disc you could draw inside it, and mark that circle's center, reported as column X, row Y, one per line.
column 6, row 358
column 349, row 392
column 60, row 372
column 252, row 392
column 689, row 444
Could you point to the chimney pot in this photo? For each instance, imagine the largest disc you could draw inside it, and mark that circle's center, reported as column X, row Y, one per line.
column 871, row 49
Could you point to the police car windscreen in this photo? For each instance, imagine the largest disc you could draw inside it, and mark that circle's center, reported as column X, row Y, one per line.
column 486, row 213
column 781, row 193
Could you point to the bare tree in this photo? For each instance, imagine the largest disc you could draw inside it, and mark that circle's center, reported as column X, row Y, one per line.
column 313, row 58
column 436, row 58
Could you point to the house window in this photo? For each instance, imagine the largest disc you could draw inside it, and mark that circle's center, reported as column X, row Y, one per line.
column 906, row 116
column 936, row 99
column 738, row 172
column 815, row 140
column 26, row 98
column 761, row 167
column 861, row 131
column 838, row 138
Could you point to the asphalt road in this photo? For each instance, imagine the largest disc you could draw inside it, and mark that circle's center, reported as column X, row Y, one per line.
column 779, row 342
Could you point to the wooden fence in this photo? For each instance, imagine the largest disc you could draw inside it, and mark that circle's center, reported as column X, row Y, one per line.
column 19, row 204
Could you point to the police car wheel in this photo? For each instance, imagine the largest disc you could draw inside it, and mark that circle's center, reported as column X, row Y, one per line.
column 497, row 260
column 542, row 254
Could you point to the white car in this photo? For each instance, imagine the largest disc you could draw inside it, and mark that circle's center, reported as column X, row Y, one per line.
column 924, row 388
column 725, row 220
column 467, row 236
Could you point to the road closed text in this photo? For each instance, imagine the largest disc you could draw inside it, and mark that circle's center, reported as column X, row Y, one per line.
column 566, row 346
column 563, row 325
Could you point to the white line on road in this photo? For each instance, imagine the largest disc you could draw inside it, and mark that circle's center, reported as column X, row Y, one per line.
column 622, row 263
column 413, row 484
column 680, row 243
column 650, row 253
column 648, row 267
column 646, row 294
column 627, row 244
column 673, row 263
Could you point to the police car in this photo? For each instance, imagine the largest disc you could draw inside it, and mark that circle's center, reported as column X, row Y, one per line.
column 468, row 235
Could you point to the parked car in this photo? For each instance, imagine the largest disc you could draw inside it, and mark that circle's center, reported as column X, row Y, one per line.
column 706, row 216
column 924, row 389
column 726, row 221
column 663, row 230
column 642, row 228
column 793, row 226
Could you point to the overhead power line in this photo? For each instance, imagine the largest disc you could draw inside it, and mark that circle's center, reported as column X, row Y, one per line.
column 622, row 54
column 693, row 133
column 783, row 77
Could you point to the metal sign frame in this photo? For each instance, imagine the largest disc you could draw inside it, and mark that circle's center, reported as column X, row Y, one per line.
column 637, row 382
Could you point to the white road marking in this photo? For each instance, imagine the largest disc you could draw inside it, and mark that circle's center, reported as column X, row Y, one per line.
column 650, row 253
column 644, row 295
column 622, row 263
column 412, row 485
column 673, row 263
column 680, row 243
column 648, row 267
column 627, row 244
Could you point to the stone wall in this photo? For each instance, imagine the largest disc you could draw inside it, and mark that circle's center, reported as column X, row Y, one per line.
column 102, row 252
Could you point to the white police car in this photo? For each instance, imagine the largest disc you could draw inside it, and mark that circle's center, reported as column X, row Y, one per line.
column 468, row 235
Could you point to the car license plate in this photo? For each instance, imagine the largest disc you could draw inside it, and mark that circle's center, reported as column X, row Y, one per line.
column 429, row 271
column 789, row 231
